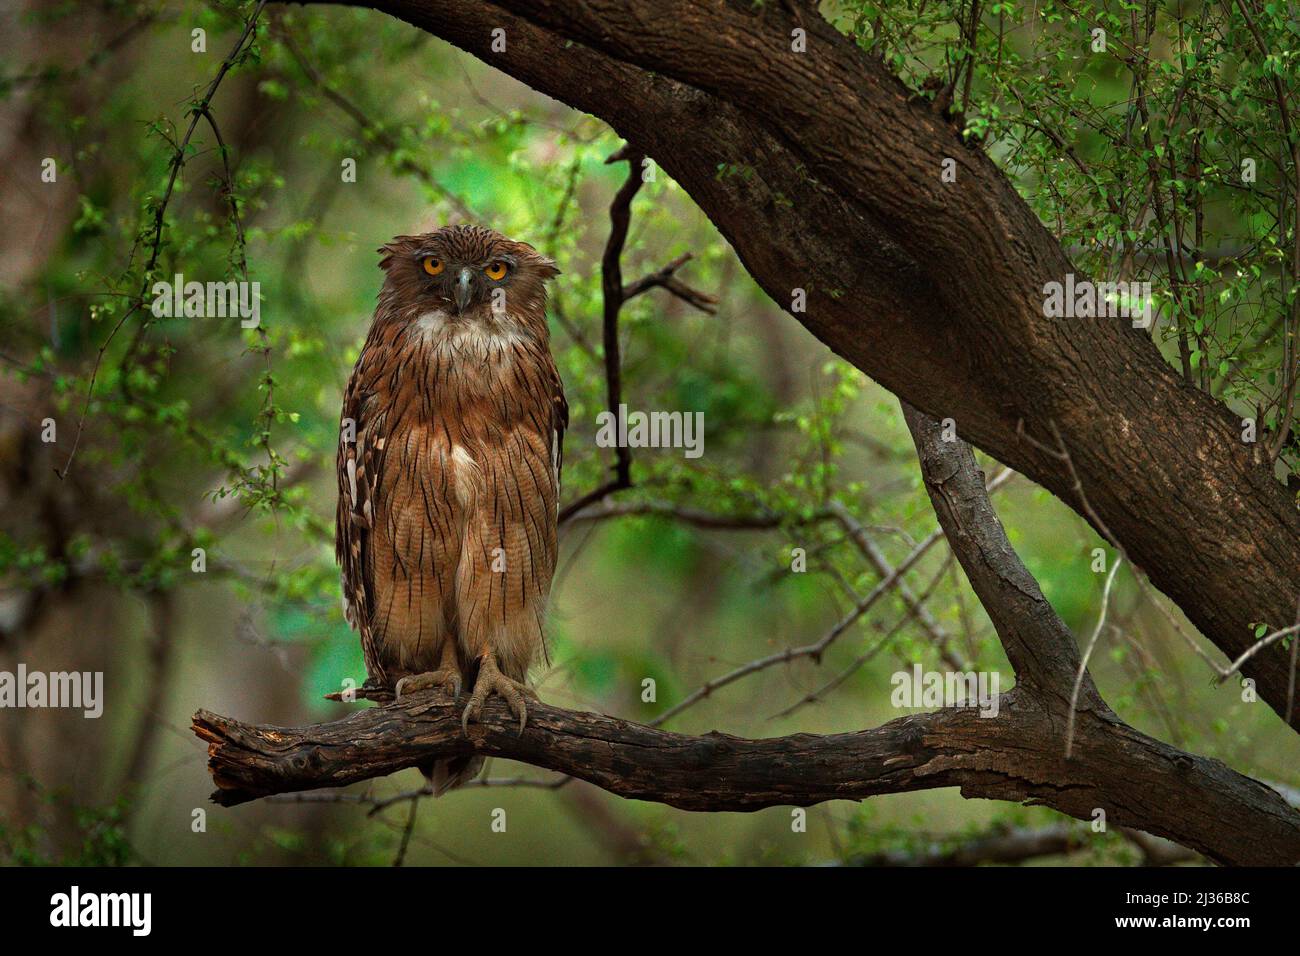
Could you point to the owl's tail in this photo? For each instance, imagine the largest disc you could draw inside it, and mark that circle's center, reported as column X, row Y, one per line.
column 444, row 775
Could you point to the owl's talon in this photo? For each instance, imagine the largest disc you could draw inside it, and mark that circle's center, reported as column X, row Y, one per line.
column 492, row 681
column 447, row 678
column 519, row 708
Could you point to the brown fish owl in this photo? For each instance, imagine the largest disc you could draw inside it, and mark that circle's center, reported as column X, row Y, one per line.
column 449, row 461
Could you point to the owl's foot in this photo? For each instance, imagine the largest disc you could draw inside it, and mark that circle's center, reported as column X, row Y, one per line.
column 447, row 678
column 492, row 681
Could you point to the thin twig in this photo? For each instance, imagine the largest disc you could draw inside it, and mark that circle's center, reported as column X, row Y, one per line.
column 818, row 647
column 406, row 833
column 1087, row 655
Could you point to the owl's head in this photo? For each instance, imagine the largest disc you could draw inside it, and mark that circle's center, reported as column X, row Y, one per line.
column 467, row 271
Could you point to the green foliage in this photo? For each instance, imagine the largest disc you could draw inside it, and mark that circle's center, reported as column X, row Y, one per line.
column 99, row 837
column 1168, row 156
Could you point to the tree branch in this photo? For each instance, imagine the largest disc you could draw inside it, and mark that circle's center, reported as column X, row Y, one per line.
column 1140, row 782
column 666, row 278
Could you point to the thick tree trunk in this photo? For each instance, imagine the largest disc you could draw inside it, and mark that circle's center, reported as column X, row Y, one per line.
column 824, row 174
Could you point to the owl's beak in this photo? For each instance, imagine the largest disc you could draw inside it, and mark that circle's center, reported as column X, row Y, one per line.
column 463, row 289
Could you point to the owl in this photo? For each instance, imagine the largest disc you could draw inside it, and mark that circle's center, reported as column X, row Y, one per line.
column 450, row 448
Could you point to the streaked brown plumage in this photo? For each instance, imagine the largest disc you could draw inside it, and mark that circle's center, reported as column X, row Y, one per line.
column 449, row 488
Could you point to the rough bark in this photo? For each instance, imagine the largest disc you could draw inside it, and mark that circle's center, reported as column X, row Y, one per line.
column 823, row 173
column 1039, row 646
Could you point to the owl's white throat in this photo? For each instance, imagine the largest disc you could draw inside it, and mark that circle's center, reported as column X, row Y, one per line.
column 429, row 325
column 439, row 330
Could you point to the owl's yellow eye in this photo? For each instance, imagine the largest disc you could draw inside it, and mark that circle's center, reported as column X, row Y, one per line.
column 433, row 266
column 495, row 270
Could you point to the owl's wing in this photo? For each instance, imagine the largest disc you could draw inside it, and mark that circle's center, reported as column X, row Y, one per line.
column 360, row 458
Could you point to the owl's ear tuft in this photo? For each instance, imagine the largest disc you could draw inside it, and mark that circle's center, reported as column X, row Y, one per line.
column 394, row 248
column 546, row 266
